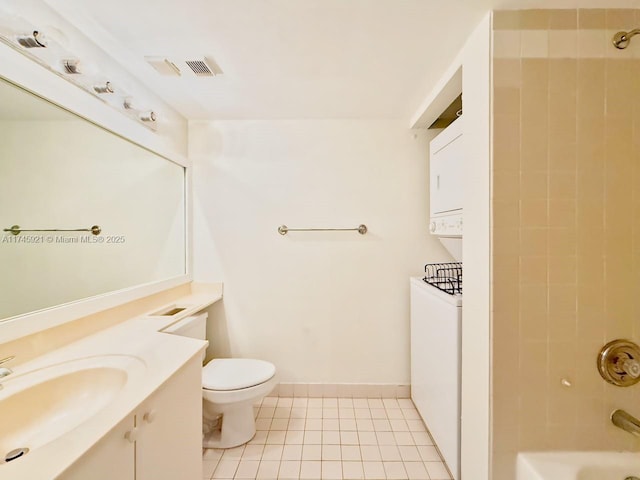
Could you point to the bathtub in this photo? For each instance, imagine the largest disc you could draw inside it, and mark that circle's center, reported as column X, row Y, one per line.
column 578, row 465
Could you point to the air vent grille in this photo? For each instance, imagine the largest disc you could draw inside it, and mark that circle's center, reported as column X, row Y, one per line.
column 200, row 68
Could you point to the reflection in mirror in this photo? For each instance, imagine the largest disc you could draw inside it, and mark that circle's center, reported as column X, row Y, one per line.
column 60, row 171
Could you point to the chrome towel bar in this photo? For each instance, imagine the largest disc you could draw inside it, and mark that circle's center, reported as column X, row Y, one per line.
column 361, row 229
column 15, row 230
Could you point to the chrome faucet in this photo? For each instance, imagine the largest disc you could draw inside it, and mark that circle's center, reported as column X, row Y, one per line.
column 626, row 422
column 4, row 371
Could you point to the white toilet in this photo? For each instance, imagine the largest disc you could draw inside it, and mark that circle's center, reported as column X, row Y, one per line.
column 230, row 387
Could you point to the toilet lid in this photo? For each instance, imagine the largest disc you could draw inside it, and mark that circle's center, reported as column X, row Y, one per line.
column 236, row 373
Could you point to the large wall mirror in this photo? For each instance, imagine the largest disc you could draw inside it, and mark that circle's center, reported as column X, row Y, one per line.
column 60, row 171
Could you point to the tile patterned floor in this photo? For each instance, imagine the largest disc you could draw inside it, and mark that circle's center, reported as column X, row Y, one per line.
column 331, row 438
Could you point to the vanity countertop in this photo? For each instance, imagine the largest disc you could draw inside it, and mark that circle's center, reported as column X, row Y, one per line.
column 157, row 355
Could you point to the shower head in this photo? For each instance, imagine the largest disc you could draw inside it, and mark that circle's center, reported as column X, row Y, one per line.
column 621, row 39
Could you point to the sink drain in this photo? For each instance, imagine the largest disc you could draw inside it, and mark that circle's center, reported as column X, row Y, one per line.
column 14, row 454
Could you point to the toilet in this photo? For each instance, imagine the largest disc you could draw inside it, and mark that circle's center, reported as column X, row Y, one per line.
column 230, row 387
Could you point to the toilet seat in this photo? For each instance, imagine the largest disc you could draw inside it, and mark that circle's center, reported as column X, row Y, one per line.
column 226, row 374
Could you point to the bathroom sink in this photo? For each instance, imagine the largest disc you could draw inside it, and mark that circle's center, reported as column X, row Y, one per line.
column 39, row 406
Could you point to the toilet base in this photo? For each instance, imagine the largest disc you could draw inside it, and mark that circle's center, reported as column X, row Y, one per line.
column 238, row 427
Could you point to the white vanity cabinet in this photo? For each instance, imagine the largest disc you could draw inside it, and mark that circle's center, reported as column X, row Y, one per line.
column 161, row 440
column 169, row 444
column 112, row 457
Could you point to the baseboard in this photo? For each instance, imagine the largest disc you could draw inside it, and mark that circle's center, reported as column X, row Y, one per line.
column 341, row 390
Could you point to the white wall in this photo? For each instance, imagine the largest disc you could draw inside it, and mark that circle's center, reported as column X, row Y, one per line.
column 476, row 331
column 324, row 307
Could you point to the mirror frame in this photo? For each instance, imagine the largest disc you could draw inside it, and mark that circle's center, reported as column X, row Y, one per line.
column 32, row 77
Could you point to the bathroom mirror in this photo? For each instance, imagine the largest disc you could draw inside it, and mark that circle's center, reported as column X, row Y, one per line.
column 59, row 171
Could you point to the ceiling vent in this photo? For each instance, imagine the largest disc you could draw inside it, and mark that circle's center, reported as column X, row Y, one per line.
column 198, row 66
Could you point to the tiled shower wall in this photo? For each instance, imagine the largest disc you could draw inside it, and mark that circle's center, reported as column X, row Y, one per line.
column 566, row 225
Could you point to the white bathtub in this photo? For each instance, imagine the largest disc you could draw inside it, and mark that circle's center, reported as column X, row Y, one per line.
column 578, row 465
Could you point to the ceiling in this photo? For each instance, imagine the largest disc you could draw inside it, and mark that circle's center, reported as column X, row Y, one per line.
column 293, row 58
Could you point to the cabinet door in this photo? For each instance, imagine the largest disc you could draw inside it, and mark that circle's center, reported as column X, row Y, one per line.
column 446, row 171
column 169, row 445
column 109, row 459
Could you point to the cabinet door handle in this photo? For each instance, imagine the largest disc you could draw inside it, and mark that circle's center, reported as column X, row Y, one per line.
column 438, row 182
column 132, row 435
column 150, row 416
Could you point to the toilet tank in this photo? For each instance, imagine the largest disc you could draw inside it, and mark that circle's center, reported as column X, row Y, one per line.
column 193, row 327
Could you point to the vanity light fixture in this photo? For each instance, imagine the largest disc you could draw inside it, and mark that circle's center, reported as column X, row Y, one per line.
column 149, row 116
column 106, row 88
column 52, row 52
column 33, row 40
column 71, row 66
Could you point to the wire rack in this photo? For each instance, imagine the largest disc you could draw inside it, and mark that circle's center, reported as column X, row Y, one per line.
column 444, row 276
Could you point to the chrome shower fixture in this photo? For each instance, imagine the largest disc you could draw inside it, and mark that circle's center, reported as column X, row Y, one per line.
column 35, row 40
column 621, row 40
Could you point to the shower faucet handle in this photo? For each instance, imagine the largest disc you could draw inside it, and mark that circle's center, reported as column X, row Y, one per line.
column 631, row 367
column 619, row 363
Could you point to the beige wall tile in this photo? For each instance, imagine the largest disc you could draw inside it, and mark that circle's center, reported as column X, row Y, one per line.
column 563, row 43
column 562, row 299
column 534, row 325
column 563, row 154
column 620, row 82
column 506, row 101
column 562, row 241
column 571, row 226
column 592, row 18
column 507, row 72
column 533, row 270
column 507, row 43
column 590, row 192
column 620, row 19
column 533, row 299
column 562, row 269
column 535, row 74
column 506, row 150
column 533, row 241
column 562, row 185
column 534, row 19
column 534, row 213
column 534, row 185
column 563, row 75
column 506, row 185
column 592, row 44
column 563, row 327
column 591, row 89
column 506, row 240
column 506, row 213
column 505, row 271
column 534, row 43
column 590, row 326
column 563, row 19
column 562, row 213
column 506, row 20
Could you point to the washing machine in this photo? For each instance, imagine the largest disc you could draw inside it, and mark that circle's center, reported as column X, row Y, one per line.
column 436, row 322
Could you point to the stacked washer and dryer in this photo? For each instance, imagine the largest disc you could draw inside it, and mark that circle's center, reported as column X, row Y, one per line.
column 436, row 304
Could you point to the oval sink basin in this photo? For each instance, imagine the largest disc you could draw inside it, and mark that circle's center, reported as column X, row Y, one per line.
column 39, row 406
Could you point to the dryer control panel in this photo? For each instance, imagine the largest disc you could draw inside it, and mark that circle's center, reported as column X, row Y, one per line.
column 446, row 225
